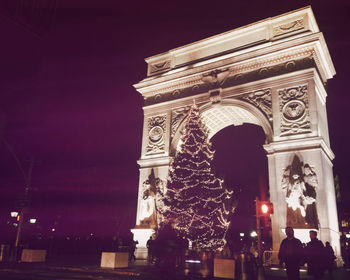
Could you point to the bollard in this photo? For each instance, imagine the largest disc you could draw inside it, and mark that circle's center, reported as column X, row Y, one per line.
column 248, row 267
column 4, row 252
column 244, row 275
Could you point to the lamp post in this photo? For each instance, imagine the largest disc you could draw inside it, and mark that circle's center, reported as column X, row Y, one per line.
column 25, row 200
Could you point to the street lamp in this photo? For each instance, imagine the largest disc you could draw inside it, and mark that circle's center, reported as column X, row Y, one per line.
column 253, row 234
column 32, row 221
column 14, row 214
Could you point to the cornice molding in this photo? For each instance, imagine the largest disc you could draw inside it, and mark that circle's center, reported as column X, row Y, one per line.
column 154, row 161
column 287, row 146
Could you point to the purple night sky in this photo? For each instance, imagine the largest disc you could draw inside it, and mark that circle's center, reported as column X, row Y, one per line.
column 67, row 100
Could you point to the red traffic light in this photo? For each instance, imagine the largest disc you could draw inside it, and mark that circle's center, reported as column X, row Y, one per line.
column 265, row 208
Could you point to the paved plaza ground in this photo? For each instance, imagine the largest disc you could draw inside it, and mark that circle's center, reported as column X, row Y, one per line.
column 80, row 268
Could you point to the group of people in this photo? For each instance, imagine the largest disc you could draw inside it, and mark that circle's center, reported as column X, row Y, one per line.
column 167, row 250
column 317, row 256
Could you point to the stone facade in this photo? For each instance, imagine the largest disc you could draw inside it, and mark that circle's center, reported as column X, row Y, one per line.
column 272, row 74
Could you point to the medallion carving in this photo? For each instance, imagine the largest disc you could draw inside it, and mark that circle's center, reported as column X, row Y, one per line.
column 156, row 133
column 294, row 111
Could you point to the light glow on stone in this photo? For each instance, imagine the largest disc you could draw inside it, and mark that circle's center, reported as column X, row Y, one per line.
column 142, row 236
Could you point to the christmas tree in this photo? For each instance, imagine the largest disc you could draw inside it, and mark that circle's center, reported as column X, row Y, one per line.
column 195, row 199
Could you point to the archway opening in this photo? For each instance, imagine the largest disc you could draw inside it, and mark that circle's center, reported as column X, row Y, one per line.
column 238, row 132
column 241, row 161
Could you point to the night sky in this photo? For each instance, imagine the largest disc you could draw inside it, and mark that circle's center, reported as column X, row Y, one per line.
column 67, row 101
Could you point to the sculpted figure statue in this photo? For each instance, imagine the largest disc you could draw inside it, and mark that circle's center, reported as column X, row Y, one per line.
column 150, row 204
column 299, row 183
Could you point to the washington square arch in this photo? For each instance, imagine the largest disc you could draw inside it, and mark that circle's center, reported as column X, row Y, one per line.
column 271, row 73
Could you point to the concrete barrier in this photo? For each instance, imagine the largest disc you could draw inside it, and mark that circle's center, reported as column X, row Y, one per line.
column 29, row 255
column 114, row 259
column 224, row 268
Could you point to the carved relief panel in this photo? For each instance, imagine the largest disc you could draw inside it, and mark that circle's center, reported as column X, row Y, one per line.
column 294, row 110
column 299, row 183
column 156, row 127
column 177, row 116
column 151, row 202
column 262, row 100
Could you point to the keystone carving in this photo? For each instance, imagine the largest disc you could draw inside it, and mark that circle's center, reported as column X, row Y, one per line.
column 216, row 78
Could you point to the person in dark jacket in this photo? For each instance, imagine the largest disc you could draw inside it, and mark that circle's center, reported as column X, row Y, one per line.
column 315, row 256
column 291, row 253
column 330, row 257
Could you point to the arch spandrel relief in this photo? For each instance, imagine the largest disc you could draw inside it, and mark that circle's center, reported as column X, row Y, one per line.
column 262, row 100
column 177, row 116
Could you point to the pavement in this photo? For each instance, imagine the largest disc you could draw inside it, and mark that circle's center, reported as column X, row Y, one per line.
column 78, row 268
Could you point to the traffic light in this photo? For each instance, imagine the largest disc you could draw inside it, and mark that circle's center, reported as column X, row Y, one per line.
column 265, row 208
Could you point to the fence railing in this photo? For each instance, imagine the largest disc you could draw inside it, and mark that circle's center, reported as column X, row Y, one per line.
column 270, row 258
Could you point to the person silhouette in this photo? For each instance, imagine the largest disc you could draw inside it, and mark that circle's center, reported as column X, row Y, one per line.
column 330, row 257
column 315, row 256
column 291, row 253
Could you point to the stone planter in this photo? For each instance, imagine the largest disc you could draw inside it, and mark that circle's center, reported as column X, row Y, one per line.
column 114, row 259
column 224, row 268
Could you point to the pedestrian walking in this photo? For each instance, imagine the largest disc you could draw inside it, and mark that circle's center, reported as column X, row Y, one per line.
column 329, row 258
column 315, row 256
column 150, row 247
column 132, row 249
column 291, row 253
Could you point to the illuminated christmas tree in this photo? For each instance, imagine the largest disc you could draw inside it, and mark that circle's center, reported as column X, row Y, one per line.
column 195, row 199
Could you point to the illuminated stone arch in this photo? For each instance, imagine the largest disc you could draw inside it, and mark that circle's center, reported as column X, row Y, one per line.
column 271, row 73
column 228, row 112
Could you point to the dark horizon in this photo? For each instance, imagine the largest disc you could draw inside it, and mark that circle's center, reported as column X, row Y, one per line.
column 67, row 101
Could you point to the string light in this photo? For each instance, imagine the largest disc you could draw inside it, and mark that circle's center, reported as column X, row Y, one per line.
column 195, row 199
